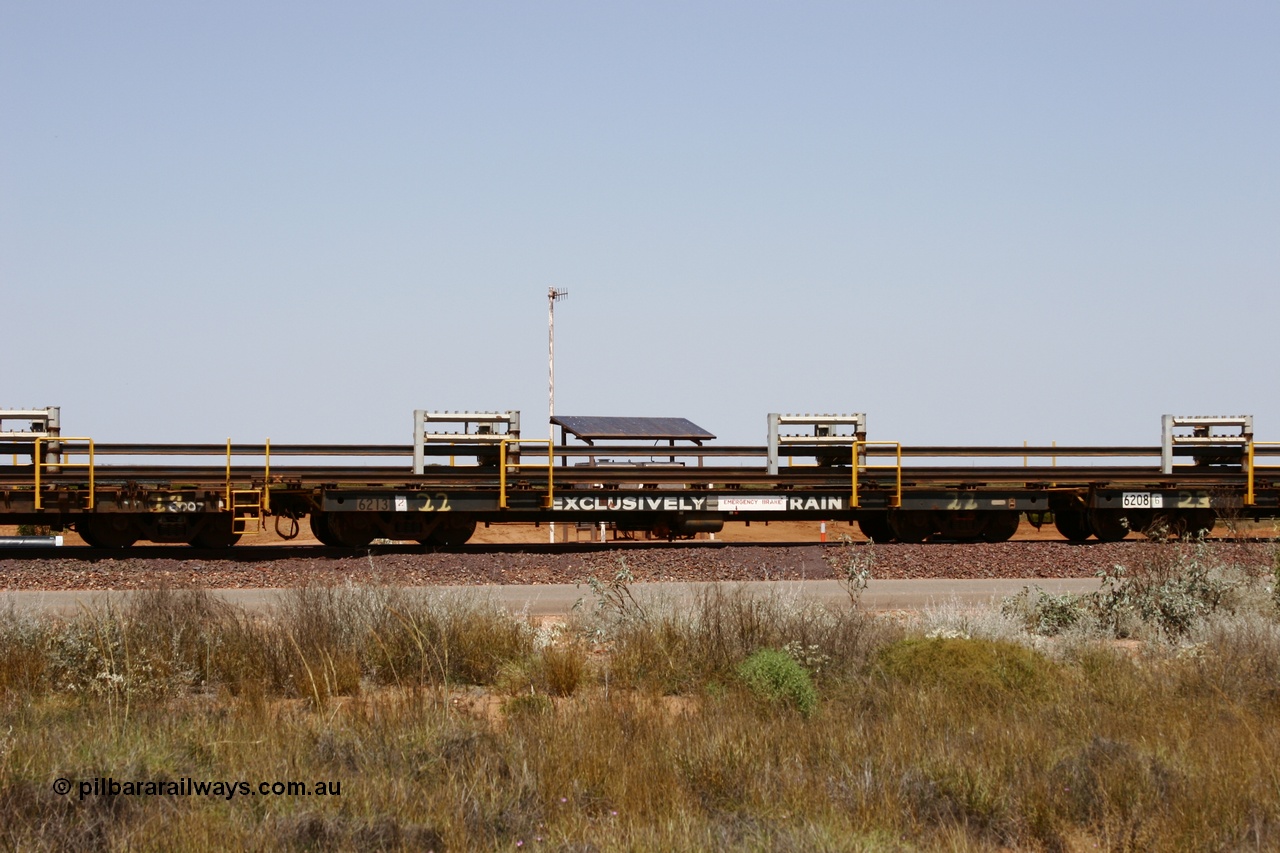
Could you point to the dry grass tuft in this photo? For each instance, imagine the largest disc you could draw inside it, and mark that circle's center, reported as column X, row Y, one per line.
column 564, row 668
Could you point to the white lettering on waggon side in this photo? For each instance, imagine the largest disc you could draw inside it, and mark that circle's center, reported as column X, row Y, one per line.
column 592, row 503
column 750, row 503
column 808, row 504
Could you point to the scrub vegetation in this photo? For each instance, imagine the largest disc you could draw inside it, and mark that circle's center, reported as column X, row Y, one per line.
column 1138, row 718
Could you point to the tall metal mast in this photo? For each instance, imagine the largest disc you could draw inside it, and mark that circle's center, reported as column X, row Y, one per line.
column 553, row 296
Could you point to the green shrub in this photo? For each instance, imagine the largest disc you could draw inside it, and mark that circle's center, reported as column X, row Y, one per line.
column 1045, row 614
column 992, row 669
column 528, row 705
column 1171, row 592
column 776, row 676
column 852, row 566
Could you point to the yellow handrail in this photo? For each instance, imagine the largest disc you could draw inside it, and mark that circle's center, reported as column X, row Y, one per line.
column 549, row 499
column 266, row 480
column 228, row 503
column 39, row 463
column 858, row 447
column 1252, row 466
column 266, row 477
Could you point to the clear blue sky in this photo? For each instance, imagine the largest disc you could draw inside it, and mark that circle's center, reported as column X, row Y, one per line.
column 977, row 222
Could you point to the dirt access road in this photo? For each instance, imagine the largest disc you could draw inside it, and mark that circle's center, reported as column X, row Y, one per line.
column 552, row 600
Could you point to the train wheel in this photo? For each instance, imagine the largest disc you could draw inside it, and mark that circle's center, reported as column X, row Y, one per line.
column 107, row 531
column 1196, row 523
column 1072, row 524
column 215, row 533
column 352, row 529
column 875, row 526
column 450, row 532
column 961, row 525
column 319, row 522
column 1109, row 525
column 85, row 529
column 911, row 526
column 1001, row 526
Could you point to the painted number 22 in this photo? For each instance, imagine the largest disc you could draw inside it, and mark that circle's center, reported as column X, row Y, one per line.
column 428, row 506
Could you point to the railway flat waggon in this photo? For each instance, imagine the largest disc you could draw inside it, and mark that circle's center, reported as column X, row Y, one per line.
column 661, row 477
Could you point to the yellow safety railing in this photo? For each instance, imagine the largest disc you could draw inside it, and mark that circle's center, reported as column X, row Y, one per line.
column 548, row 499
column 858, row 448
column 266, row 479
column 40, row 464
column 1251, row 466
column 257, row 500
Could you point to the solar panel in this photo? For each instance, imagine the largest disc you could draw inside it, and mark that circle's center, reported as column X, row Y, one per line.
column 590, row 428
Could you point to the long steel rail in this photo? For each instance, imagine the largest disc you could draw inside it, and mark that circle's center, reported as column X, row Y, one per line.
column 114, row 468
column 579, row 451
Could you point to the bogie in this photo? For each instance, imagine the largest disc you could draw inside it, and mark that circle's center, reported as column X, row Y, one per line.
column 358, row 529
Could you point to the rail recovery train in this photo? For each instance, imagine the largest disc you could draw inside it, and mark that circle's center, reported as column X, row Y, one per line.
column 661, row 477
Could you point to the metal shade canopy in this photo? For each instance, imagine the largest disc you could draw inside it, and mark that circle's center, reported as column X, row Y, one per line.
column 590, row 429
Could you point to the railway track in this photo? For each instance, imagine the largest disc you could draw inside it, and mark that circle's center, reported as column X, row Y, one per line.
column 309, row 551
column 292, row 566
